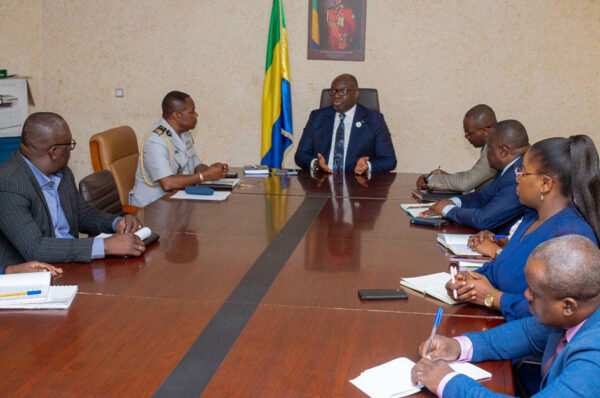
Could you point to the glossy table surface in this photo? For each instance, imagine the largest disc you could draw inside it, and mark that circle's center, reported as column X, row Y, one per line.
column 134, row 319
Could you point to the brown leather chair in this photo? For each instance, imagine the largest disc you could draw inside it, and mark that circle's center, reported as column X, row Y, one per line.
column 100, row 191
column 116, row 150
column 367, row 97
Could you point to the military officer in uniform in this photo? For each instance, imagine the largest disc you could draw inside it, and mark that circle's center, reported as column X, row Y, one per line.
column 341, row 23
column 167, row 157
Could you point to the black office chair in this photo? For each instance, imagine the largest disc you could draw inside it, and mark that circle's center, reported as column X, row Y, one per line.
column 367, row 97
column 99, row 189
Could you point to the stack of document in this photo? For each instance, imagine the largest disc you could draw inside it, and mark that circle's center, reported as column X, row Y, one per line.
column 433, row 285
column 457, row 244
column 33, row 291
column 469, row 264
column 415, row 209
column 392, row 379
column 223, row 183
column 257, row 170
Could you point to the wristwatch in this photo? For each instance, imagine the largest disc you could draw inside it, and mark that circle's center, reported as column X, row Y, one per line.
column 201, row 177
column 497, row 252
column 489, row 299
column 315, row 165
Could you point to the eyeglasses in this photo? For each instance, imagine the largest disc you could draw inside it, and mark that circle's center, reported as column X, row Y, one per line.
column 520, row 173
column 342, row 91
column 470, row 133
column 70, row 144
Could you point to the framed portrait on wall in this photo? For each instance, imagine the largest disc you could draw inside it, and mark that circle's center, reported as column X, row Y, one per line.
column 336, row 29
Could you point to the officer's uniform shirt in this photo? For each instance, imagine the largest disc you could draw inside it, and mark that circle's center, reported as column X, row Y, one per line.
column 157, row 162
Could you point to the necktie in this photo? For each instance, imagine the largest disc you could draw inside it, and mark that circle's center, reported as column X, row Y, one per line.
column 338, row 150
column 562, row 342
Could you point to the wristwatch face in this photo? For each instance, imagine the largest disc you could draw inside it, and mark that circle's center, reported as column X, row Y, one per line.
column 489, row 300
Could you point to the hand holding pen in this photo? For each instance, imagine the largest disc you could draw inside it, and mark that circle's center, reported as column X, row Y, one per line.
column 438, row 171
column 453, row 272
column 436, row 323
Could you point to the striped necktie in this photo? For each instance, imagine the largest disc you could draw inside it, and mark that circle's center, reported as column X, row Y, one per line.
column 338, row 150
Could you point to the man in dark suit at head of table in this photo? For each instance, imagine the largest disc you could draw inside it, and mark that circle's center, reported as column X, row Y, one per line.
column 42, row 212
column 346, row 135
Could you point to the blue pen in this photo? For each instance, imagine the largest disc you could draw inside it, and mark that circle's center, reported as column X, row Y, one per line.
column 499, row 236
column 436, row 323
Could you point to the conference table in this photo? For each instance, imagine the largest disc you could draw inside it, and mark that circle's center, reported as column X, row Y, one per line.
column 253, row 296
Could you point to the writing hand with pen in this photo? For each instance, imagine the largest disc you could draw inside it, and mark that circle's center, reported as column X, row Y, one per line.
column 423, row 180
column 472, row 287
column 433, row 366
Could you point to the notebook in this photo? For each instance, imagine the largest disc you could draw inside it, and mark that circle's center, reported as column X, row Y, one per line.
column 433, row 285
column 415, row 209
column 257, row 170
column 145, row 234
column 457, row 244
column 223, row 183
column 392, row 379
column 32, row 290
column 469, row 265
column 218, row 196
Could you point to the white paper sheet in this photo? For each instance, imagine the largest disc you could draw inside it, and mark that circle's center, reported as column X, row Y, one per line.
column 217, row 195
column 392, row 379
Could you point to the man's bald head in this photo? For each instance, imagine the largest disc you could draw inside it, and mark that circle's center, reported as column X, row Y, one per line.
column 478, row 123
column 512, row 134
column 351, row 81
column 482, row 116
column 40, row 127
column 572, row 267
column 174, row 102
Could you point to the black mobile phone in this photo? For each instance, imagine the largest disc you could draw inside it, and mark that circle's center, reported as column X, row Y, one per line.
column 430, row 222
column 382, row 294
column 231, row 175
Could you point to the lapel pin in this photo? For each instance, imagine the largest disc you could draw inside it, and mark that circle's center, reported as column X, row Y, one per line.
column 358, row 124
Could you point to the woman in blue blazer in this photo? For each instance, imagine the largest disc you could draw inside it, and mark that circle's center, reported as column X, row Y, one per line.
column 560, row 183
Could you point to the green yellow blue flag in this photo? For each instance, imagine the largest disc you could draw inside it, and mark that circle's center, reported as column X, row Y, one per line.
column 277, row 99
column 315, row 26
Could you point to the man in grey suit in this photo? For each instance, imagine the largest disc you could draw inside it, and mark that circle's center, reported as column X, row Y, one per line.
column 41, row 211
column 477, row 124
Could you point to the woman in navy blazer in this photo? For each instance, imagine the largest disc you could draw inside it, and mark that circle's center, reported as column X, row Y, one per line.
column 559, row 182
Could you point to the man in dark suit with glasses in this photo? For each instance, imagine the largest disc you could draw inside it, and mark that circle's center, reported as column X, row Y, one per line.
column 346, row 135
column 42, row 212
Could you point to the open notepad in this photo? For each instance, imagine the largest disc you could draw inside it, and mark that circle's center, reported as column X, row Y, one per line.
column 32, row 290
column 392, row 379
column 415, row 209
column 457, row 244
column 433, row 285
column 217, row 195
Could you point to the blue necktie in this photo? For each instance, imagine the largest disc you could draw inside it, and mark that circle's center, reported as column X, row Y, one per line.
column 338, row 150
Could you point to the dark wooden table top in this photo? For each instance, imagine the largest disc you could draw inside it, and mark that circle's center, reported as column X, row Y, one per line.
column 134, row 319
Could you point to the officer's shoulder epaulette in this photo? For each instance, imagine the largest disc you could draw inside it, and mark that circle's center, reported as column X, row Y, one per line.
column 160, row 130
